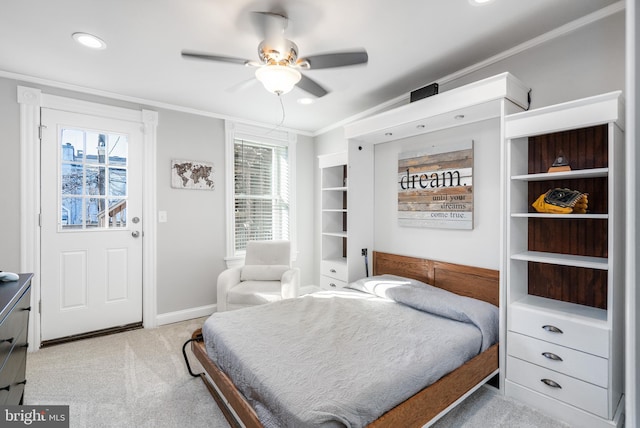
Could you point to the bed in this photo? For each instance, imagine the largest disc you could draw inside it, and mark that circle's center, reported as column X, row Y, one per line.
column 421, row 407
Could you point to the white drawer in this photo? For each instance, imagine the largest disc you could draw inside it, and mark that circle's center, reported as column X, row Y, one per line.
column 574, row 363
column 334, row 268
column 572, row 391
column 329, row 283
column 560, row 329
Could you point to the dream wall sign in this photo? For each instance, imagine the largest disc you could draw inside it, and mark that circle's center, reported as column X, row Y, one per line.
column 435, row 187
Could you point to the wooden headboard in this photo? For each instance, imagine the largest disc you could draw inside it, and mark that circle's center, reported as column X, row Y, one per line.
column 479, row 283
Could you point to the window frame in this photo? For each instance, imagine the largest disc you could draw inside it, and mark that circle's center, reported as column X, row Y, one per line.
column 233, row 131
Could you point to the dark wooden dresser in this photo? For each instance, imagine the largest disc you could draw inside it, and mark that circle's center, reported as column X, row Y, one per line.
column 15, row 304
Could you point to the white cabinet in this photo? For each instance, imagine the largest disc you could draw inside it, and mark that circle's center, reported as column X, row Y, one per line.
column 565, row 272
column 346, row 216
column 334, row 181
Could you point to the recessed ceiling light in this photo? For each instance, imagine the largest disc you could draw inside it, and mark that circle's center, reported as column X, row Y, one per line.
column 479, row 2
column 89, row 40
column 306, row 101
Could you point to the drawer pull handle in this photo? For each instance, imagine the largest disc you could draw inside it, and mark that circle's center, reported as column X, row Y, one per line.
column 6, row 388
column 26, row 309
column 24, row 382
column 552, row 329
column 331, row 284
column 10, row 340
column 551, row 383
column 551, row 356
column 332, row 270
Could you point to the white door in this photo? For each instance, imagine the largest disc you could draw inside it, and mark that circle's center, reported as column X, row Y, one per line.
column 91, row 249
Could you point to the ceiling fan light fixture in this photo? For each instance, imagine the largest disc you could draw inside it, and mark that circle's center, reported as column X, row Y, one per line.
column 278, row 79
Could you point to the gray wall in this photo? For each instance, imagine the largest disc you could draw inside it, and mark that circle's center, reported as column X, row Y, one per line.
column 588, row 61
column 191, row 244
column 306, row 236
column 632, row 381
column 9, row 176
column 585, row 62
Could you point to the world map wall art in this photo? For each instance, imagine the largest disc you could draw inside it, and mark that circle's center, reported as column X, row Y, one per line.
column 186, row 174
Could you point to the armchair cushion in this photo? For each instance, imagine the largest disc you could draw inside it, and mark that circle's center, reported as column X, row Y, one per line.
column 263, row 272
column 249, row 293
column 268, row 253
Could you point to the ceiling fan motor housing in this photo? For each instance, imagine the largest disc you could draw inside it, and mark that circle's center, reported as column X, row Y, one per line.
column 280, row 52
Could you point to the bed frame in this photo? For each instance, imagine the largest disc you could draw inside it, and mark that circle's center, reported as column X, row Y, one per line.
column 426, row 406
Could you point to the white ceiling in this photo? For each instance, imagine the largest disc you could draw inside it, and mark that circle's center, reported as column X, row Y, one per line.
column 410, row 43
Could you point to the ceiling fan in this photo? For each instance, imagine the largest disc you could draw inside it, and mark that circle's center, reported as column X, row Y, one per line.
column 278, row 67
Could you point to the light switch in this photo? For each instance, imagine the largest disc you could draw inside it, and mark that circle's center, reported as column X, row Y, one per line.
column 162, row 216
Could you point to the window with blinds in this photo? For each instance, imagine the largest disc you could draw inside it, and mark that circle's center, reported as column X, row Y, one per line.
column 261, row 192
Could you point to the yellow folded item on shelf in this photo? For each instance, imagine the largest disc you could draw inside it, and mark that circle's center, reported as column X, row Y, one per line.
column 561, row 201
column 542, row 207
column 581, row 205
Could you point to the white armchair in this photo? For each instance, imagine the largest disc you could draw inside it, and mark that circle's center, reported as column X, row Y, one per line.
column 267, row 276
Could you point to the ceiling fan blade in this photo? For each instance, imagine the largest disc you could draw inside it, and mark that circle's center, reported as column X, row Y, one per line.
column 210, row 57
column 337, row 59
column 311, row 86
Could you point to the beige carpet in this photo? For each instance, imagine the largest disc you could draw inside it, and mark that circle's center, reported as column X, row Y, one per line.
column 139, row 379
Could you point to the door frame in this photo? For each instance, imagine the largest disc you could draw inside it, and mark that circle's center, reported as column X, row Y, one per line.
column 31, row 100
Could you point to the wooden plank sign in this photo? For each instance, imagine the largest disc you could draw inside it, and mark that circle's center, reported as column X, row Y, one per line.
column 435, row 187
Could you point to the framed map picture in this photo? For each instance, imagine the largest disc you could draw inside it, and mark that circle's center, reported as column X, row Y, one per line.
column 435, row 187
column 186, row 174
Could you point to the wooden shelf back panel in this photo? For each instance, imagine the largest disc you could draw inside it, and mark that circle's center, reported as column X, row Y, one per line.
column 580, row 237
column 584, row 149
column 583, row 286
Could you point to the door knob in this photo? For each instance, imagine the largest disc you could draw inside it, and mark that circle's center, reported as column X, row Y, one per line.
column 135, row 233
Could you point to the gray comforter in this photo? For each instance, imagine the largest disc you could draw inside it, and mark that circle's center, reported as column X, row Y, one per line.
column 344, row 358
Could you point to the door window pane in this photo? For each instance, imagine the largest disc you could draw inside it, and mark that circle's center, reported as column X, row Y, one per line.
column 72, row 179
column 93, row 165
column 117, row 215
column 117, row 182
column 95, row 212
column 71, row 215
column 95, row 180
column 95, row 147
column 117, row 149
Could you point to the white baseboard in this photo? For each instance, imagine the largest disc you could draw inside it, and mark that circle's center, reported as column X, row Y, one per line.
column 185, row 314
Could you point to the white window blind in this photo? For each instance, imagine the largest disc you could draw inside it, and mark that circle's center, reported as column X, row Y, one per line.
column 261, row 192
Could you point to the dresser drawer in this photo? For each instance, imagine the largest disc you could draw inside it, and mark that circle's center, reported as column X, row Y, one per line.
column 13, row 324
column 334, row 269
column 12, row 374
column 561, row 330
column 568, row 361
column 572, row 391
column 329, row 283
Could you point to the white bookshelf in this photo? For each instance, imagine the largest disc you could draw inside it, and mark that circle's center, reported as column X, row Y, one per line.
column 565, row 272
